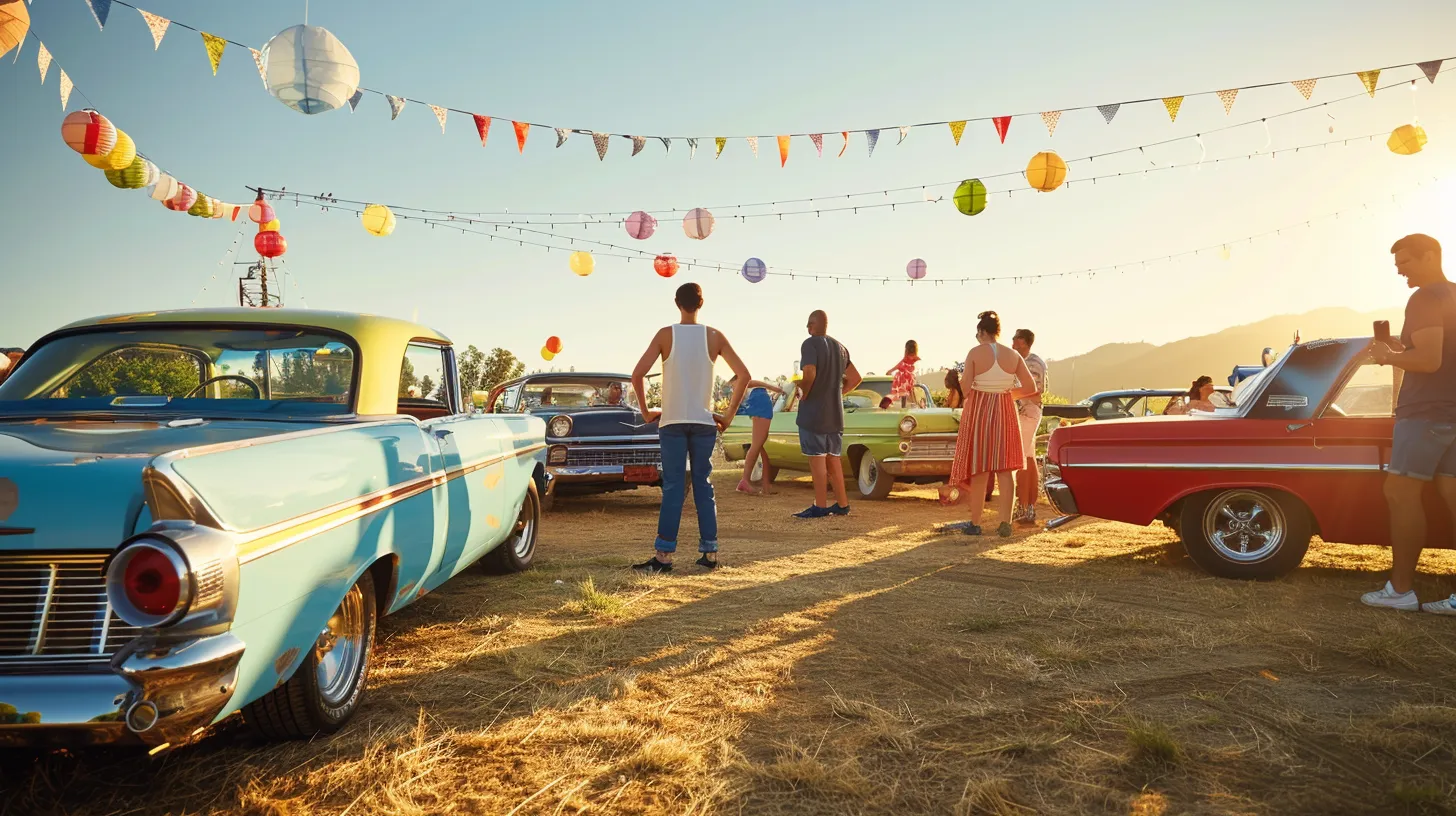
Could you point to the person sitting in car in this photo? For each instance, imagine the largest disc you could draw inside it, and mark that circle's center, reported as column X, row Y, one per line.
column 1198, row 398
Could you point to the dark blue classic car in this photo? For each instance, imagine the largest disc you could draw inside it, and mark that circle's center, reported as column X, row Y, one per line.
column 596, row 440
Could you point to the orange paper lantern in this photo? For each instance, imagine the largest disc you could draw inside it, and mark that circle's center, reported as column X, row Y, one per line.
column 553, row 344
column 665, row 265
column 14, row 23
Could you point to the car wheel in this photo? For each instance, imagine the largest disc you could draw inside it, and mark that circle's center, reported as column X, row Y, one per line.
column 872, row 480
column 327, row 687
column 516, row 553
column 1245, row 533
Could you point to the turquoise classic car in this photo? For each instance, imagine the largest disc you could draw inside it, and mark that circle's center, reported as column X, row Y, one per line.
column 881, row 446
column 205, row 512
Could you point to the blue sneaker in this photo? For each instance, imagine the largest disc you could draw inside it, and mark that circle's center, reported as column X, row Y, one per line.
column 836, row 510
column 814, row 511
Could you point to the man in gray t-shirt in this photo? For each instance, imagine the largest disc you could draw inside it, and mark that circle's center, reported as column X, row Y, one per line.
column 828, row 376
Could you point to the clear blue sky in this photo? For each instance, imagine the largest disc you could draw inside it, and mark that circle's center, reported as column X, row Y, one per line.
column 73, row 246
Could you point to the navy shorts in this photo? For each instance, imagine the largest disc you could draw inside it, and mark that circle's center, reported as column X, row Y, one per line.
column 1423, row 449
column 820, row 444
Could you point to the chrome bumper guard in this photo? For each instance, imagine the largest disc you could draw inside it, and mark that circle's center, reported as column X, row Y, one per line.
column 916, row 467
column 1061, row 497
column 157, row 693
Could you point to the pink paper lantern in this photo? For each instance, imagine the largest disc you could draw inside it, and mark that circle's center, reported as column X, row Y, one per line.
column 640, row 225
column 915, row 269
column 183, row 200
column 261, row 212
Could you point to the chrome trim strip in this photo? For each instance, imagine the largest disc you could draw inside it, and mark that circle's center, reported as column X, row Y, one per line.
column 562, row 440
column 1221, row 466
column 255, row 543
column 45, row 612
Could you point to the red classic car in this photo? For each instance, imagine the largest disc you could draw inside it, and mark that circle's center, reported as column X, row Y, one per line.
column 1302, row 452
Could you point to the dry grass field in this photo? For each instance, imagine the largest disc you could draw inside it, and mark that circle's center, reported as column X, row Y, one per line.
column 851, row 665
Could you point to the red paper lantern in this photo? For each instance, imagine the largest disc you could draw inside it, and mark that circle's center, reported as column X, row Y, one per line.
column 270, row 244
column 666, row 265
column 88, row 133
column 553, row 344
column 183, row 200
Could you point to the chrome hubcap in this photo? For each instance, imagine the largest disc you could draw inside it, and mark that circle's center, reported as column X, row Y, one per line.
column 869, row 473
column 340, row 649
column 523, row 537
column 1244, row 526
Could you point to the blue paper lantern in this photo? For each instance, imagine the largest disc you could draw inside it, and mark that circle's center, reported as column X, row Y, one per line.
column 754, row 270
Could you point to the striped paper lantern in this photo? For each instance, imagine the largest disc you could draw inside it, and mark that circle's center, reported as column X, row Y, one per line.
column 698, row 224
column 88, row 133
column 119, row 157
column 132, row 177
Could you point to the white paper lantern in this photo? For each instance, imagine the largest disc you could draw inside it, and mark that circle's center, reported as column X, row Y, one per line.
column 309, row 70
column 698, row 224
column 166, row 188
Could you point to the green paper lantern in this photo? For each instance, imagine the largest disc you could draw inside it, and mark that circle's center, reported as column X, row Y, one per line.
column 970, row 197
column 202, row 207
column 132, row 177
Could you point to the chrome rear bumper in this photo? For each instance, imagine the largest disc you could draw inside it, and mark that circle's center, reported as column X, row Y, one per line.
column 154, row 694
column 916, row 467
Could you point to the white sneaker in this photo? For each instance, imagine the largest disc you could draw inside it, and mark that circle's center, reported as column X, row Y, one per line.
column 1446, row 606
column 1390, row 599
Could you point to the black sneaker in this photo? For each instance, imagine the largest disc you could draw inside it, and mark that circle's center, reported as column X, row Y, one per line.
column 707, row 563
column 836, row 510
column 971, row 530
column 652, row 565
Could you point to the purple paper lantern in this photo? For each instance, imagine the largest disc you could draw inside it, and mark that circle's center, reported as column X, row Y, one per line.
column 754, row 270
column 915, row 269
column 640, row 225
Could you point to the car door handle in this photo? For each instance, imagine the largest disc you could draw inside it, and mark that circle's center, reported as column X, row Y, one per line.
column 1294, row 426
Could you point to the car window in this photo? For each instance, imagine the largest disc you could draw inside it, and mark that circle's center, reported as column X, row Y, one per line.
column 135, row 372
column 1110, row 408
column 505, row 401
column 422, row 375
column 1368, row 393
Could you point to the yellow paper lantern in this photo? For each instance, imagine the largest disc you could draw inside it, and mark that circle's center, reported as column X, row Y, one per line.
column 546, row 354
column 118, row 158
column 377, row 220
column 1046, row 171
column 271, row 226
column 582, row 263
column 1407, row 140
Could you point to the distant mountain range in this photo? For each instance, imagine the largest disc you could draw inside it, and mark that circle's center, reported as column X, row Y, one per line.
column 1177, row 364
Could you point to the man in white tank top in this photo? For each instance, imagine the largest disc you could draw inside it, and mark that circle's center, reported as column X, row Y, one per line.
column 687, row 427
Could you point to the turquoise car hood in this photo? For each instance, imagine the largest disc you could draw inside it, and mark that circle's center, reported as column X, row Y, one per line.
column 77, row 485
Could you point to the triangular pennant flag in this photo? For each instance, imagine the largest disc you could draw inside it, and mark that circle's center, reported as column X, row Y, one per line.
column 601, row 140
column 783, row 150
column 43, row 62
column 1108, row 111
column 1173, row 103
column 1305, row 87
column 561, row 134
column 845, row 147
column 258, row 61
column 214, row 45
column 1368, row 79
column 396, row 104
column 1227, row 98
column 1430, row 69
column 482, row 126
column 818, row 140
column 440, row 113
column 904, row 131
column 638, row 142
column 522, row 128
column 100, row 9
column 719, row 142
column 957, row 130
column 872, row 137
column 692, row 148
column 1003, row 124
column 66, row 87
column 156, row 24
column 354, row 101
column 753, row 145
column 666, row 144
column 1050, row 119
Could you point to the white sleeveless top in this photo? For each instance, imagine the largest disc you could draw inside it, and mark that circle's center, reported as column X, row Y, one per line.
column 995, row 380
column 687, row 378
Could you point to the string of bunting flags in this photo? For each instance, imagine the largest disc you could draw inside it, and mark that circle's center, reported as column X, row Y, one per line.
column 333, row 81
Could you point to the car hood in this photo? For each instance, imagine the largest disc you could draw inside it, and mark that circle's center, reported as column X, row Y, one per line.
column 597, row 422
column 77, row 485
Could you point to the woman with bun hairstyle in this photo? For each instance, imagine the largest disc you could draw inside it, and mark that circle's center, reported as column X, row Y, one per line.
column 1198, row 398
column 989, row 441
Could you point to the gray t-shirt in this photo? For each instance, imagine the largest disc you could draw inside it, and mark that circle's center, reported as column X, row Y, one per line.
column 822, row 409
column 1431, row 396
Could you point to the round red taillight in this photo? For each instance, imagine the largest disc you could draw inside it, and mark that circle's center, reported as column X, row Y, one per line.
column 151, row 582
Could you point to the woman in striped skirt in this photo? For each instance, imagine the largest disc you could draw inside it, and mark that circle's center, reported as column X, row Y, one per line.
column 989, row 441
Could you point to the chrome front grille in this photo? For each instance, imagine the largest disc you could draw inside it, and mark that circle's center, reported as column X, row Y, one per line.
column 605, row 457
column 53, row 608
column 931, row 448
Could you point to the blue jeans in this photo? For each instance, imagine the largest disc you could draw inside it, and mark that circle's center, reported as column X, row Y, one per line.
column 679, row 444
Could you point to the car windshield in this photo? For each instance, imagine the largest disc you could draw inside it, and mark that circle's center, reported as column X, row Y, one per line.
column 593, row 392
column 273, row 373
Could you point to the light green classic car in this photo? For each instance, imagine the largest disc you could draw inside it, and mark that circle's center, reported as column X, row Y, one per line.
column 881, row 446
